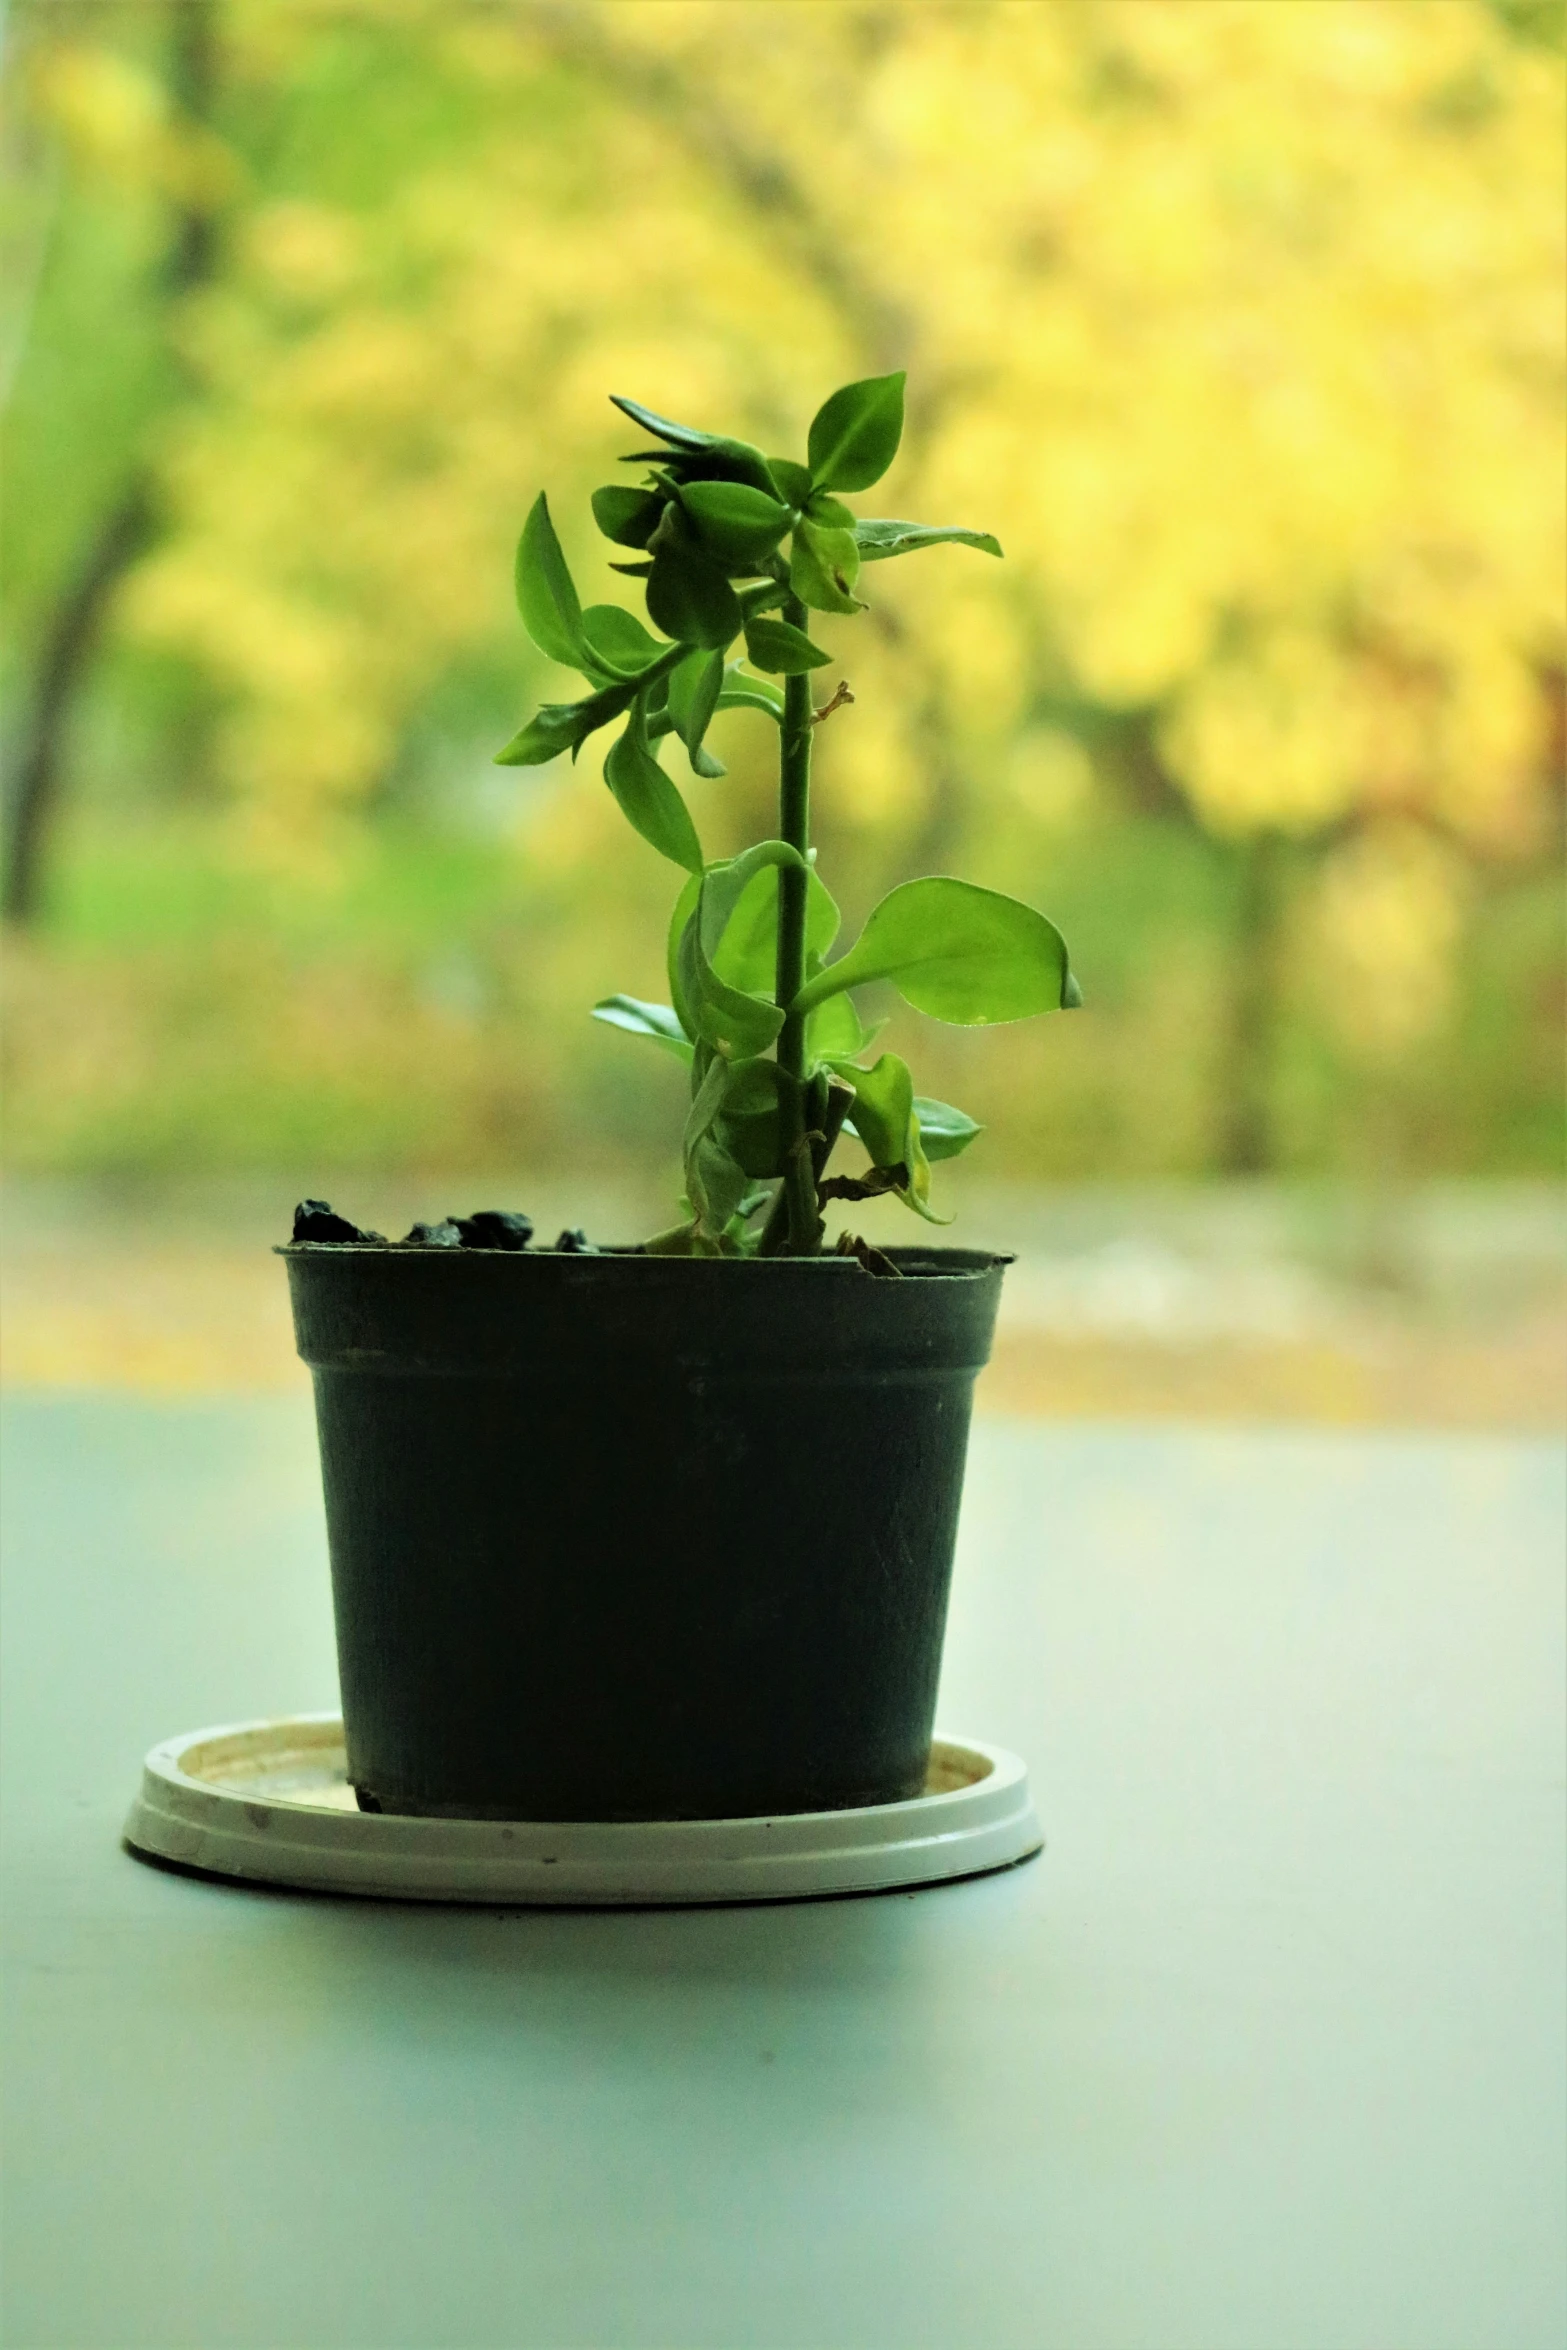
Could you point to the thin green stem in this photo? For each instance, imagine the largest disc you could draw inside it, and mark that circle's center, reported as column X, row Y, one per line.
column 794, row 826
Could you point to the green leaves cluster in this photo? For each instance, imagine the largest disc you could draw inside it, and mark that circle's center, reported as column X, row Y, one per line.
column 734, row 546
column 964, row 954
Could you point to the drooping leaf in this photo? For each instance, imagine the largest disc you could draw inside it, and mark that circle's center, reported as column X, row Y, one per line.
column 736, row 525
column 781, row 647
column 648, row 799
column 546, row 596
column 634, row 570
column 716, row 1182
column 702, row 677
column 694, row 688
column 944, row 1131
column 823, row 567
column 854, row 435
column 883, row 1117
column 689, row 598
column 879, row 539
column 565, row 726
column 883, row 1106
column 638, row 1019
column 627, row 516
column 732, row 1133
column 618, row 641
column 792, row 478
column 959, row 952
column 915, row 1193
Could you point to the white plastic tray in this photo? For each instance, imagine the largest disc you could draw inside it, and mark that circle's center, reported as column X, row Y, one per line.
column 270, row 1801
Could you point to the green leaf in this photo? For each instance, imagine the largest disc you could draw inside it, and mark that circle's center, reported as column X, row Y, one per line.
column 684, row 908
column 627, row 516
column 830, row 512
column 679, row 436
column 883, row 1117
column 823, row 567
column 748, row 1123
column 747, row 953
column 648, row 800
column 765, row 598
column 781, row 647
column 707, row 455
column 689, row 598
column 717, row 1187
column 639, row 1019
column 546, row 597
column 883, row 1106
column 961, row 953
column 854, row 436
column 793, row 479
column 834, row 1030
column 716, row 1182
column 565, row 726
column 944, row 1131
column 737, row 525
column 877, row 540
column 722, row 993
column 617, row 640
column 722, row 1015
column 731, row 1135
column 749, row 693
column 694, row 688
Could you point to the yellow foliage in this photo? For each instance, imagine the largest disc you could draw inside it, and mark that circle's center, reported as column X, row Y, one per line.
column 1241, row 324
column 115, row 120
column 1389, row 912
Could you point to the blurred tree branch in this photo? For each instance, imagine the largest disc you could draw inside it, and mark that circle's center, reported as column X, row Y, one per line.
column 74, row 631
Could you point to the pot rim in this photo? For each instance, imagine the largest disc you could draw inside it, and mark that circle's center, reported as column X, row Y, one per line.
column 913, row 1262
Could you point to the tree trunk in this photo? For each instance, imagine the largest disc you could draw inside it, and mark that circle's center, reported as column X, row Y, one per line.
column 67, row 655
column 75, row 632
column 1246, row 1137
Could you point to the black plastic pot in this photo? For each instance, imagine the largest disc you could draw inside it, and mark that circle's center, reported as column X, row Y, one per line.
column 626, row 1537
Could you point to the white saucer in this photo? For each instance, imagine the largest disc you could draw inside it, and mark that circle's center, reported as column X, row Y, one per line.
column 270, row 1802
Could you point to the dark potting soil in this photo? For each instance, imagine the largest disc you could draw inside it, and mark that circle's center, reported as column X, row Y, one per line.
column 316, row 1221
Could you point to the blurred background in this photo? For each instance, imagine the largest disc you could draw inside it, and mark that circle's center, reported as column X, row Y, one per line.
column 1239, row 321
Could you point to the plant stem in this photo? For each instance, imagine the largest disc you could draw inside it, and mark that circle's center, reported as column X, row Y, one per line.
column 794, row 826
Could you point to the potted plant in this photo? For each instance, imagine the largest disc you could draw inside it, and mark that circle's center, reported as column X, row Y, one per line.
column 667, row 1532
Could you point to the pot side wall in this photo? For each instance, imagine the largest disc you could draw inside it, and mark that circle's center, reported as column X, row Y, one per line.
column 614, row 1538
